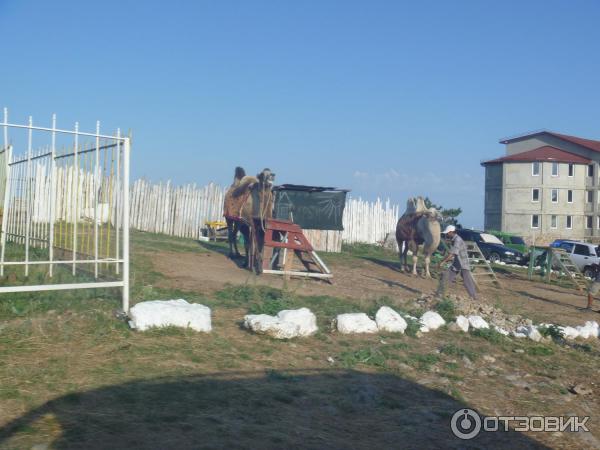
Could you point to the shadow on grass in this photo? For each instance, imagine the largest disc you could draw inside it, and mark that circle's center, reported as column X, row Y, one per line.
column 223, row 249
column 553, row 302
column 307, row 409
column 393, row 265
column 391, row 284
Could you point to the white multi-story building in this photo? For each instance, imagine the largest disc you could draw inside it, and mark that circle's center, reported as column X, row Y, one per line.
column 546, row 187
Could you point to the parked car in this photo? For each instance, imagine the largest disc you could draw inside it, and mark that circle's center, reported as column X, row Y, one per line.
column 492, row 248
column 518, row 243
column 582, row 254
column 511, row 240
column 557, row 242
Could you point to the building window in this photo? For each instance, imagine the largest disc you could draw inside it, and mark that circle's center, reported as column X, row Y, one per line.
column 554, row 195
column 569, row 196
column 589, row 220
column 571, row 169
column 554, row 169
column 535, row 221
column 569, row 222
column 535, row 195
column 590, row 170
column 554, row 221
column 535, row 169
column 590, row 196
column 598, row 222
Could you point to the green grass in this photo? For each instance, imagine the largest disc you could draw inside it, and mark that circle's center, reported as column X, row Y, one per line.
column 413, row 327
column 490, row 335
column 446, row 309
column 366, row 356
column 422, row 361
column 459, row 351
column 540, row 350
column 552, row 331
column 154, row 242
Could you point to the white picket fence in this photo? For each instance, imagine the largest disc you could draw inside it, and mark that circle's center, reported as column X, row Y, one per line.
column 177, row 211
column 369, row 222
column 183, row 211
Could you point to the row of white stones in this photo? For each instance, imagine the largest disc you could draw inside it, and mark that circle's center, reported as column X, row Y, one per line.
column 301, row 322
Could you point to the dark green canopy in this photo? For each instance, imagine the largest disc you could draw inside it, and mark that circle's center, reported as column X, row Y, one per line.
column 311, row 207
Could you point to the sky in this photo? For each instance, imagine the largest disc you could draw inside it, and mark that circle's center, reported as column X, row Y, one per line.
column 387, row 98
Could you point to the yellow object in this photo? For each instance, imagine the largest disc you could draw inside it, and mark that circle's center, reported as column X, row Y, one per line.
column 216, row 224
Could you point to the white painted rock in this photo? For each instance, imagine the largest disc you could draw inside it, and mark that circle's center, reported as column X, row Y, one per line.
column 463, row 323
column 303, row 318
column 528, row 331
column 501, row 330
column 519, row 333
column 593, row 325
column 389, row 320
column 270, row 325
column 355, row 323
column 431, row 321
column 569, row 332
column 587, row 331
column 477, row 322
column 533, row 333
column 164, row 313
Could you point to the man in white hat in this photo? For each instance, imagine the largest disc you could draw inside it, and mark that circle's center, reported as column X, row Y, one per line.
column 458, row 252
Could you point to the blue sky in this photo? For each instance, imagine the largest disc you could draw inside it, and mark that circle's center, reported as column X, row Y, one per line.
column 387, row 98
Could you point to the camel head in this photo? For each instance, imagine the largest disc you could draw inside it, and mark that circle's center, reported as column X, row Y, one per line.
column 415, row 204
column 411, row 205
column 239, row 173
column 266, row 178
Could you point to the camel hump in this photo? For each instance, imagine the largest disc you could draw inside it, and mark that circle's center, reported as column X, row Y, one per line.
column 244, row 184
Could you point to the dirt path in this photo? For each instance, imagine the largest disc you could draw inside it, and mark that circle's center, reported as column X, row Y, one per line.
column 208, row 272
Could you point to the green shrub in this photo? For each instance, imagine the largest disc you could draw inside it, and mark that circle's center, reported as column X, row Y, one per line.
column 489, row 335
column 446, row 309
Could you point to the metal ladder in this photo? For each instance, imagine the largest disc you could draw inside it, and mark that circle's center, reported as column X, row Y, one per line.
column 564, row 262
column 480, row 269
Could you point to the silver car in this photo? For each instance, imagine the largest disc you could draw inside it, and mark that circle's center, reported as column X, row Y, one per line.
column 583, row 255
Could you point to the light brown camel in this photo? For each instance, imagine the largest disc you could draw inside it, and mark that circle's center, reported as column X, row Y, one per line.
column 250, row 204
column 231, row 207
column 418, row 225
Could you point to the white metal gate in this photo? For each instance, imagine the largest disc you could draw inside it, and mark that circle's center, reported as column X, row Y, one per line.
column 65, row 209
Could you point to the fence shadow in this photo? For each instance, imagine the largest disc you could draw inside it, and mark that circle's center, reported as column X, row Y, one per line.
column 392, row 284
column 553, row 302
column 393, row 265
column 308, row 409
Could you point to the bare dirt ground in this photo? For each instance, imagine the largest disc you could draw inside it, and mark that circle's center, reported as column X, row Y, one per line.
column 368, row 279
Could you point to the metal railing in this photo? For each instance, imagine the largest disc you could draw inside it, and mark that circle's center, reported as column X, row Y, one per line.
column 64, row 206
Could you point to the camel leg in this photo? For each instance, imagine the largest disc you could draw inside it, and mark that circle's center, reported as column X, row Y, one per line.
column 406, row 248
column 230, row 236
column 400, row 255
column 246, row 234
column 415, row 250
column 232, row 231
column 427, row 261
column 236, row 229
column 258, row 254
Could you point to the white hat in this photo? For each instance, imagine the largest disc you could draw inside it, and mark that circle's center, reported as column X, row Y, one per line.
column 449, row 228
